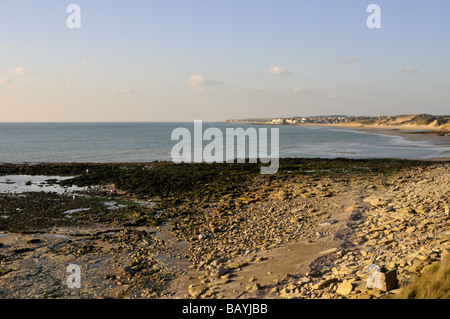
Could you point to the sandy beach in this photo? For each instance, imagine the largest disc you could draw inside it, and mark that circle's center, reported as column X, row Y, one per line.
column 408, row 132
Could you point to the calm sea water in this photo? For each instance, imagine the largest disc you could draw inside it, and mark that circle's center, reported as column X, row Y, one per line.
column 144, row 142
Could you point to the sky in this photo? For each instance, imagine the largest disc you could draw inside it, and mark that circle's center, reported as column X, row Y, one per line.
column 213, row 60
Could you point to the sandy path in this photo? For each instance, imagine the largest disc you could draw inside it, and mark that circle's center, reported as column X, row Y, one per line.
column 270, row 268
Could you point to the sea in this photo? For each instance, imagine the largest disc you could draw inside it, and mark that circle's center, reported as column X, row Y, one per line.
column 151, row 141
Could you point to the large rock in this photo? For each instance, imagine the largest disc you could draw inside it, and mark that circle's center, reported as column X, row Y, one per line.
column 328, row 222
column 375, row 201
column 383, row 279
column 237, row 264
column 196, row 290
column 323, row 283
column 218, row 272
column 345, row 288
column 290, row 295
column 389, row 280
column 253, row 287
column 279, row 195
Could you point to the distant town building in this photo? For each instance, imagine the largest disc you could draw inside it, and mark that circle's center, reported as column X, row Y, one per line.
column 279, row 121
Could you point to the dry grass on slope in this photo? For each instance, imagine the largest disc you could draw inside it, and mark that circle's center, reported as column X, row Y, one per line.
column 434, row 283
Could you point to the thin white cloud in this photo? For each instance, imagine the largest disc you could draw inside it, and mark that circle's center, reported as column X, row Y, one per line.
column 277, row 70
column 302, row 89
column 298, row 90
column 410, row 70
column 196, row 79
column 199, row 82
column 65, row 84
column 124, row 90
column 81, row 65
column 333, row 96
column 351, row 59
column 199, row 79
column 4, row 81
column 21, row 71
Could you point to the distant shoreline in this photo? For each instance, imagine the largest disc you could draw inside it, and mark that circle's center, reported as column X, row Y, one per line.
column 408, row 132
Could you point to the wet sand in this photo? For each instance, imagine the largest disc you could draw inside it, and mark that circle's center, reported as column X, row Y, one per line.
column 411, row 133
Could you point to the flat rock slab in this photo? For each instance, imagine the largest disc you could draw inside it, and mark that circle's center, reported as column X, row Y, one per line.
column 328, row 222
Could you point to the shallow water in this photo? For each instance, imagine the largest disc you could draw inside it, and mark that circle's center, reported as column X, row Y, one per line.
column 71, row 211
column 17, row 184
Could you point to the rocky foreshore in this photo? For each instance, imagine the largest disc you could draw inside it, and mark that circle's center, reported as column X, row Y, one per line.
column 314, row 230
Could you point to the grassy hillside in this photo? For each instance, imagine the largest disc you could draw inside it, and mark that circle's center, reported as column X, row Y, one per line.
column 426, row 119
column 438, row 122
column 433, row 284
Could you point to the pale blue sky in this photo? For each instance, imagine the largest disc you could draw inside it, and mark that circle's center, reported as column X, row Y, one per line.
column 221, row 59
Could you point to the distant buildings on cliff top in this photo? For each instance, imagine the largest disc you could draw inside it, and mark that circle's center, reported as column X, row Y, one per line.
column 321, row 119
